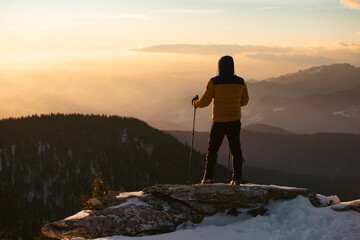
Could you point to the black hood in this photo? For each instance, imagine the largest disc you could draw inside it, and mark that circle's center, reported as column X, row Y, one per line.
column 226, row 65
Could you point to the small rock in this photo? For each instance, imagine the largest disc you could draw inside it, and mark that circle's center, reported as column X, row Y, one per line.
column 258, row 211
column 233, row 212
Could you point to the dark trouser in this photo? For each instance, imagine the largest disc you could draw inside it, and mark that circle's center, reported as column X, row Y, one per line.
column 217, row 133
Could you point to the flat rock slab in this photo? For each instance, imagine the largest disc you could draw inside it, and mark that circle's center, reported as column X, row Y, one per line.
column 162, row 208
column 224, row 196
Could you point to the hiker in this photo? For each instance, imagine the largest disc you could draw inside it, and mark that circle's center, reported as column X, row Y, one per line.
column 228, row 93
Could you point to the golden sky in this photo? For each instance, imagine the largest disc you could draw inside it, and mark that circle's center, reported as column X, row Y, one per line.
column 125, row 57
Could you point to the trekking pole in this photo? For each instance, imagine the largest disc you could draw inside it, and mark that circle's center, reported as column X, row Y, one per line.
column 228, row 166
column 191, row 147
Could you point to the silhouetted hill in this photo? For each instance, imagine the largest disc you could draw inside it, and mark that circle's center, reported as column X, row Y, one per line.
column 166, row 125
column 327, row 163
column 48, row 162
column 323, row 154
column 264, row 128
column 347, row 188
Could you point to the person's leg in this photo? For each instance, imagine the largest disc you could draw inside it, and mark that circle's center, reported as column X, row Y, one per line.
column 233, row 135
column 216, row 137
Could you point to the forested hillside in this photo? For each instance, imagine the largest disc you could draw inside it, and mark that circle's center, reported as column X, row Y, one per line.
column 47, row 162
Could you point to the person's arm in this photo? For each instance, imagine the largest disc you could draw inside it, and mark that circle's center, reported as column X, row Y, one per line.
column 207, row 97
column 244, row 97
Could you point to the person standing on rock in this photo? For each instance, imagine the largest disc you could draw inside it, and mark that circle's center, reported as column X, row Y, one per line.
column 229, row 93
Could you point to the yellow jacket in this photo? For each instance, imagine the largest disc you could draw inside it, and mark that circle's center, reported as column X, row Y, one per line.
column 228, row 94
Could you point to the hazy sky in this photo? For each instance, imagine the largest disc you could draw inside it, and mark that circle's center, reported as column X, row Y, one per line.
column 125, row 57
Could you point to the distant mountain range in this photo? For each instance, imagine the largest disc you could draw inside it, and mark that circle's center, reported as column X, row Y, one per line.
column 332, row 112
column 316, row 80
column 319, row 99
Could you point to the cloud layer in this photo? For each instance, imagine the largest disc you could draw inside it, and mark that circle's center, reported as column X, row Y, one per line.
column 341, row 52
column 308, row 59
column 351, row 4
column 211, row 49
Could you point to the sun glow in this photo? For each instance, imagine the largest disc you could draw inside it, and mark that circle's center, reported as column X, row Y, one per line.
column 120, row 57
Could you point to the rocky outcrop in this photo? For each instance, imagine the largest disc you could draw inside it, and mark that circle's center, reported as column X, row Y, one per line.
column 210, row 199
column 347, row 206
column 162, row 208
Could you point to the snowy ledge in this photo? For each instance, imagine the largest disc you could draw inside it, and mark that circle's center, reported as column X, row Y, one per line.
column 346, row 206
column 82, row 214
column 164, row 208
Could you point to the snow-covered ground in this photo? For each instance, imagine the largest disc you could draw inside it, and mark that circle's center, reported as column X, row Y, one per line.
column 82, row 214
column 295, row 219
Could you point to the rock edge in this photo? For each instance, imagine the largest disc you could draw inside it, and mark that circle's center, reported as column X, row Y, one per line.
column 162, row 208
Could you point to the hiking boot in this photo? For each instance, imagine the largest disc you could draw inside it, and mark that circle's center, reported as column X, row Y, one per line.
column 235, row 182
column 207, row 181
column 238, row 181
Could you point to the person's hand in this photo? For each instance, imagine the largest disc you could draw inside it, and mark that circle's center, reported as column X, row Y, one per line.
column 195, row 98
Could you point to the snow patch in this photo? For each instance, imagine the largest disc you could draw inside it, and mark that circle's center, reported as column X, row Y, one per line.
column 41, row 147
column 13, row 146
column 124, row 136
column 316, row 70
column 327, row 201
column 279, row 109
column 341, row 113
column 147, row 147
column 82, row 214
column 131, row 201
column 70, row 153
column 128, row 194
column 30, row 195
